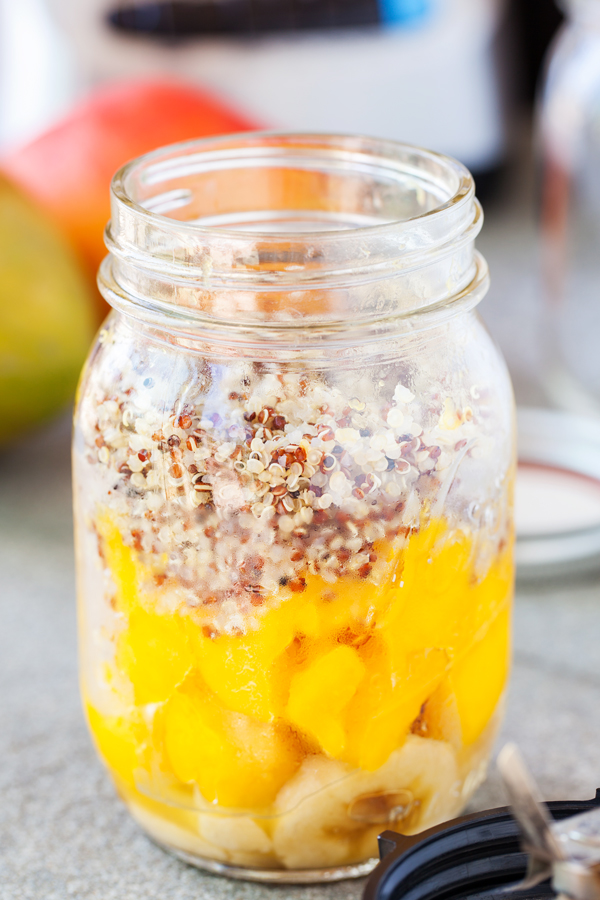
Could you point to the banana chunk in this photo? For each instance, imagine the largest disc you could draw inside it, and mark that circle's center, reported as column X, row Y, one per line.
column 239, row 834
column 330, row 814
column 175, row 835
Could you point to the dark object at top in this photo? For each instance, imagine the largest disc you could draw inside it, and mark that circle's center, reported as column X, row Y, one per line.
column 475, row 857
column 181, row 19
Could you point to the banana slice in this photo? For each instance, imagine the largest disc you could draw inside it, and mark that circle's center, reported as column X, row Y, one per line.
column 175, row 835
column 238, row 841
column 330, row 814
column 237, row 833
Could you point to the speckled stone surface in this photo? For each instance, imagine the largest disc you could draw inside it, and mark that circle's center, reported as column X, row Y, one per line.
column 63, row 832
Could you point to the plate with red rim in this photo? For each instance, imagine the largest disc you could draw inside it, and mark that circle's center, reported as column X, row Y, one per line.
column 557, row 496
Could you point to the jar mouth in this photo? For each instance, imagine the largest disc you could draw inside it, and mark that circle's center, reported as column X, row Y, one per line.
column 278, row 213
column 393, row 170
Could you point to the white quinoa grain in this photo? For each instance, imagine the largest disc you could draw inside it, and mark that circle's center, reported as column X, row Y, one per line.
column 395, row 417
column 338, row 482
column 356, row 404
column 403, row 395
column 135, row 463
column 393, row 489
column 306, row 514
column 154, row 501
column 346, row 435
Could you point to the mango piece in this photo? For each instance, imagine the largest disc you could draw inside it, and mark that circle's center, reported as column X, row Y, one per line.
column 239, row 668
column 351, row 665
column 374, row 694
column 46, row 316
column 120, row 562
column 440, row 719
column 380, row 723
column 117, row 740
column 67, row 169
column 319, row 695
column 433, row 594
column 479, row 679
column 236, row 761
column 154, row 653
column 340, row 605
column 437, row 602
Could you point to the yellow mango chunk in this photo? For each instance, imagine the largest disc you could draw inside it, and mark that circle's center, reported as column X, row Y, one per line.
column 479, row 678
column 433, row 595
column 351, row 665
column 130, row 575
column 235, row 761
column 153, row 650
column 336, row 606
column 440, row 719
column 319, row 695
column 379, row 721
column 117, row 740
column 374, row 694
column 438, row 602
column 154, row 653
column 239, row 668
column 120, row 561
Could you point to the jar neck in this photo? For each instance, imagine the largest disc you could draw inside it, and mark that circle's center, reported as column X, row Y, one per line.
column 284, row 234
column 320, row 342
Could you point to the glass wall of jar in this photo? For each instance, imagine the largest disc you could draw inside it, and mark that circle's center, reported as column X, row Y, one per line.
column 293, row 467
column 569, row 137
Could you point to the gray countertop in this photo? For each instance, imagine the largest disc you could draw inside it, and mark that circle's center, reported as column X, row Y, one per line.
column 63, row 832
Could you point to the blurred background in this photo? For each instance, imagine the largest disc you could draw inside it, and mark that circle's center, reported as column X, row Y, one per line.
column 85, row 86
column 459, row 76
column 509, row 87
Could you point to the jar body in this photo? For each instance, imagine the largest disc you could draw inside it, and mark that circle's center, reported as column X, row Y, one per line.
column 569, row 138
column 295, row 580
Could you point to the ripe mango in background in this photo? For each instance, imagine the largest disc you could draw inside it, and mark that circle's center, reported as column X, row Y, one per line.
column 46, row 315
column 68, row 169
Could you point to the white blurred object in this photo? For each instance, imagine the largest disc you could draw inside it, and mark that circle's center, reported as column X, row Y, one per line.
column 433, row 84
column 36, row 71
column 569, row 140
column 557, row 494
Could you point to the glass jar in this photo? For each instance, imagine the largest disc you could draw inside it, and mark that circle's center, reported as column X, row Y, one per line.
column 569, row 137
column 293, row 471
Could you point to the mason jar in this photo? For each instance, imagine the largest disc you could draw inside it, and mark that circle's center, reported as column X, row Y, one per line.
column 569, row 144
column 293, row 460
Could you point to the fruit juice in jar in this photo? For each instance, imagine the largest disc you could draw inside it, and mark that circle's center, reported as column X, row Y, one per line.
column 295, row 575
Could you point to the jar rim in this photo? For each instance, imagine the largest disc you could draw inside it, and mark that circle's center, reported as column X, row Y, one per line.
column 391, row 211
column 157, row 160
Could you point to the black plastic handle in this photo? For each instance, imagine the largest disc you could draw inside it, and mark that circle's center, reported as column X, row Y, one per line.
column 182, row 19
column 476, row 856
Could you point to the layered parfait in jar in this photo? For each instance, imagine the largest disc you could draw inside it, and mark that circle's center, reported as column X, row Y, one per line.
column 301, row 637
column 295, row 560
